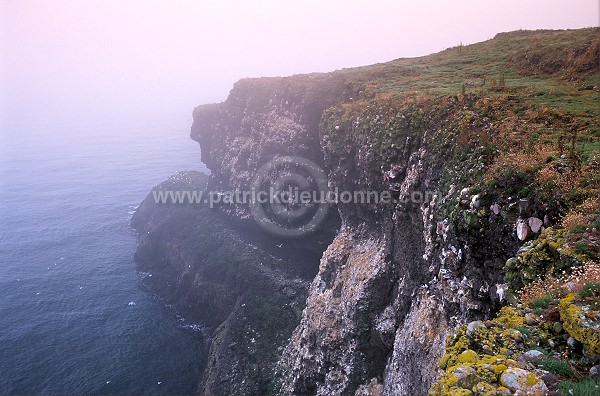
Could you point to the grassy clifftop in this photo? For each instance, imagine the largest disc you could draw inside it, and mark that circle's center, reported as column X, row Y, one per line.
column 554, row 69
column 516, row 123
column 516, row 119
column 506, row 133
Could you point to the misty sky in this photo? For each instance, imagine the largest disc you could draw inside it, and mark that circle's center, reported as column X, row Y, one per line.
column 74, row 58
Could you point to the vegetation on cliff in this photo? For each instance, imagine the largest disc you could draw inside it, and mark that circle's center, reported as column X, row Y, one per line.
column 505, row 134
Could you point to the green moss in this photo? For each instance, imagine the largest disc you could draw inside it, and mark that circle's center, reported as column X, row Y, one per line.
column 484, row 388
column 459, row 392
column 531, row 379
column 499, row 369
column 471, row 220
column 444, row 361
column 490, row 351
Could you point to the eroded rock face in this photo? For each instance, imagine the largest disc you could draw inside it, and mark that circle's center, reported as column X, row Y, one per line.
column 263, row 118
column 400, row 275
column 215, row 266
column 421, row 338
column 364, row 305
column 346, row 332
column 245, row 292
column 377, row 291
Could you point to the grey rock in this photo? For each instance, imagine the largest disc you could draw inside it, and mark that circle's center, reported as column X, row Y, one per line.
column 517, row 379
column 523, row 231
column 466, row 376
column 524, row 207
column 475, row 202
column 496, row 209
column 550, row 379
column 533, row 356
column 474, row 326
column 531, row 319
column 425, row 320
column 557, row 327
column 535, row 224
column 511, row 263
column 595, row 371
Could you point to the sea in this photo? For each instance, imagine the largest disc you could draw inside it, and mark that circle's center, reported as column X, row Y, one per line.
column 73, row 317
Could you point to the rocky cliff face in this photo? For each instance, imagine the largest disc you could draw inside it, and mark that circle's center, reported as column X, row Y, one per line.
column 244, row 292
column 397, row 277
column 365, row 305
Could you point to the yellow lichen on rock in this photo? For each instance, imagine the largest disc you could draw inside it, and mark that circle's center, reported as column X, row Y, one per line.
column 510, row 317
column 581, row 322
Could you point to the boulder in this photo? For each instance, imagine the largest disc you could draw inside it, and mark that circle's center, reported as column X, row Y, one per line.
column 475, row 202
column 582, row 323
column 531, row 319
column 533, row 356
column 474, row 326
column 535, row 224
column 523, row 231
column 466, row 376
column 519, row 380
column 496, row 209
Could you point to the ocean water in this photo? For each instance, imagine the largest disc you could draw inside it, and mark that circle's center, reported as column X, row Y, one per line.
column 73, row 319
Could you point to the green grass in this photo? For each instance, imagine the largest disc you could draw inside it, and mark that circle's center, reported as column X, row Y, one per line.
column 581, row 247
column 524, row 331
column 557, row 366
column 520, row 58
column 542, row 302
column 590, row 290
column 446, row 71
column 579, row 229
column 588, row 387
column 590, row 147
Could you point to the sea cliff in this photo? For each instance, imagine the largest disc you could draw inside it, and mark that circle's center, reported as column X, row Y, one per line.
column 484, row 149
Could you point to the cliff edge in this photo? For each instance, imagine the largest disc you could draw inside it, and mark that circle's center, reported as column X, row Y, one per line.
column 479, row 150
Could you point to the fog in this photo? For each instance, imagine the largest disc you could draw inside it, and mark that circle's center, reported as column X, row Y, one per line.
column 64, row 59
